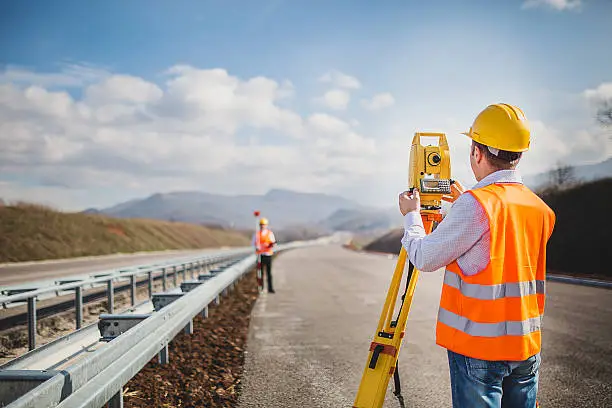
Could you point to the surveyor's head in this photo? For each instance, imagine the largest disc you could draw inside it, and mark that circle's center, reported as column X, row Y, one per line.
column 500, row 134
column 263, row 223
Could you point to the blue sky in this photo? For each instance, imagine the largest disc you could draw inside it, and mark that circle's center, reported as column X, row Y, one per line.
column 84, row 85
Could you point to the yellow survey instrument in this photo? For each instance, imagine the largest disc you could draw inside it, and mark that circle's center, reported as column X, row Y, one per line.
column 430, row 169
column 430, row 174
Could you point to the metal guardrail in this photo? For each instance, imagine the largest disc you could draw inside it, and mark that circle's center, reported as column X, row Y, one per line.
column 98, row 378
column 109, row 277
column 579, row 281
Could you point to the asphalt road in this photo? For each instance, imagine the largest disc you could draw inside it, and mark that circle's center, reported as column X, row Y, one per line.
column 308, row 343
column 11, row 274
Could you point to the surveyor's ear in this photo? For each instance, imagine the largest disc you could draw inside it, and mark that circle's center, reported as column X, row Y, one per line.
column 476, row 153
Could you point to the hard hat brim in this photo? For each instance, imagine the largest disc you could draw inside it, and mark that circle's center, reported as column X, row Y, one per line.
column 468, row 134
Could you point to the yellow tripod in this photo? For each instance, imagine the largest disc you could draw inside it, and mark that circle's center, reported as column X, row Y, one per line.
column 430, row 174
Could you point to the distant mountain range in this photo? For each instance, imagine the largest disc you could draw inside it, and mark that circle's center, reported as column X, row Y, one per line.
column 585, row 172
column 289, row 209
column 285, row 208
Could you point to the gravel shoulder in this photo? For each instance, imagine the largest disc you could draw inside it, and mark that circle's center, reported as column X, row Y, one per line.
column 205, row 368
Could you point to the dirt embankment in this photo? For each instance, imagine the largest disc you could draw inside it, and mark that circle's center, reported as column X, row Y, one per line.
column 582, row 234
column 583, row 229
column 388, row 243
column 31, row 232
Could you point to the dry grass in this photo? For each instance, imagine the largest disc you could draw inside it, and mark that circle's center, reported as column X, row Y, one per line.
column 31, row 232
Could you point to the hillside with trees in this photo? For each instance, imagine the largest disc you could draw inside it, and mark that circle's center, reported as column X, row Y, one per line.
column 583, row 227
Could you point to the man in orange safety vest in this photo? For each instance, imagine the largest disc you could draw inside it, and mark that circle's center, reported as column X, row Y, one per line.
column 492, row 244
column 264, row 242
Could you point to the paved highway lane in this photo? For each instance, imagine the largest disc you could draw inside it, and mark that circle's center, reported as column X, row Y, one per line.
column 11, row 274
column 308, row 343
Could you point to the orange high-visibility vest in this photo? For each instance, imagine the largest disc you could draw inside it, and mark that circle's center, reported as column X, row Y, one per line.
column 264, row 238
column 496, row 314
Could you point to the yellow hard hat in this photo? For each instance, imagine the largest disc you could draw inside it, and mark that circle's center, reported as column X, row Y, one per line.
column 263, row 221
column 501, row 126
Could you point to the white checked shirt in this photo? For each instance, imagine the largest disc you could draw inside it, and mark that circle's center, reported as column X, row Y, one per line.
column 463, row 235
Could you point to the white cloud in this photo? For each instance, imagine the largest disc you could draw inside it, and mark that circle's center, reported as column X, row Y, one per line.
column 551, row 145
column 601, row 93
column 379, row 101
column 205, row 129
column 201, row 129
column 336, row 99
column 324, row 123
column 70, row 75
column 547, row 146
column 340, row 79
column 554, row 4
column 123, row 88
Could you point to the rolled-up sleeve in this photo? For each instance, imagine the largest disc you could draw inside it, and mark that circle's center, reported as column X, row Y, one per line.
column 460, row 230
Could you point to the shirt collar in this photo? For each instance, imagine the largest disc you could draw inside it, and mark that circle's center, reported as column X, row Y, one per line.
column 500, row 176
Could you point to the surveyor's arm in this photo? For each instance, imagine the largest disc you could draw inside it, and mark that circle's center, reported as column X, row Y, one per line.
column 462, row 227
column 272, row 240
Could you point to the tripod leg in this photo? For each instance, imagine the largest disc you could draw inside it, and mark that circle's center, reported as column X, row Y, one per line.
column 259, row 273
column 408, row 277
column 398, row 386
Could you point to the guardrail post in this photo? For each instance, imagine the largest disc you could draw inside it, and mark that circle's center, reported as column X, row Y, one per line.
column 110, row 295
column 185, row 273
column 117, row 400
column 164, row 279
column 163, row 356
column 133, row 289
column 189, row 327
column 32, row 323
column 78, row 300
column 150, row 277
column 175, row 276
column 205, row 313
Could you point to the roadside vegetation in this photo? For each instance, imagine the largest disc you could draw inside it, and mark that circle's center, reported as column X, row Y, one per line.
column 583, row 228
column 361, row 241
column 30, row 232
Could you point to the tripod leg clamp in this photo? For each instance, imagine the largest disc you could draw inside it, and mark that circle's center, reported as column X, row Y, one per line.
column 377, row 349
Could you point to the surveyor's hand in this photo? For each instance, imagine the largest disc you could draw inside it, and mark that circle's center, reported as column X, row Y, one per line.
column 456, row 190
column 409, row 202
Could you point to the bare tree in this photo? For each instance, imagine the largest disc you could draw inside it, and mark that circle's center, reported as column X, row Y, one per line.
column 604, row 113
column 562, row 176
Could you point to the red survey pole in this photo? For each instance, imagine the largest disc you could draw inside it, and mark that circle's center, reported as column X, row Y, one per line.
column 259, row 271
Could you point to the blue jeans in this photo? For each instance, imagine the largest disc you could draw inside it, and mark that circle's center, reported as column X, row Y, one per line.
column 492, row 384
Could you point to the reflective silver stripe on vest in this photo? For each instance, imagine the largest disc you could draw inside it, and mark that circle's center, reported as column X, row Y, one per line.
column 508, row 328
column 492, row 292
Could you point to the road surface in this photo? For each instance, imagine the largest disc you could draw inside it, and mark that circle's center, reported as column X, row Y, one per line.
column 11, row 274
column 308, row 343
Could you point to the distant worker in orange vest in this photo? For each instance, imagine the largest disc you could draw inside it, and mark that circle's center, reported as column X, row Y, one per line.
column 264, row 242
column 493, row 245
